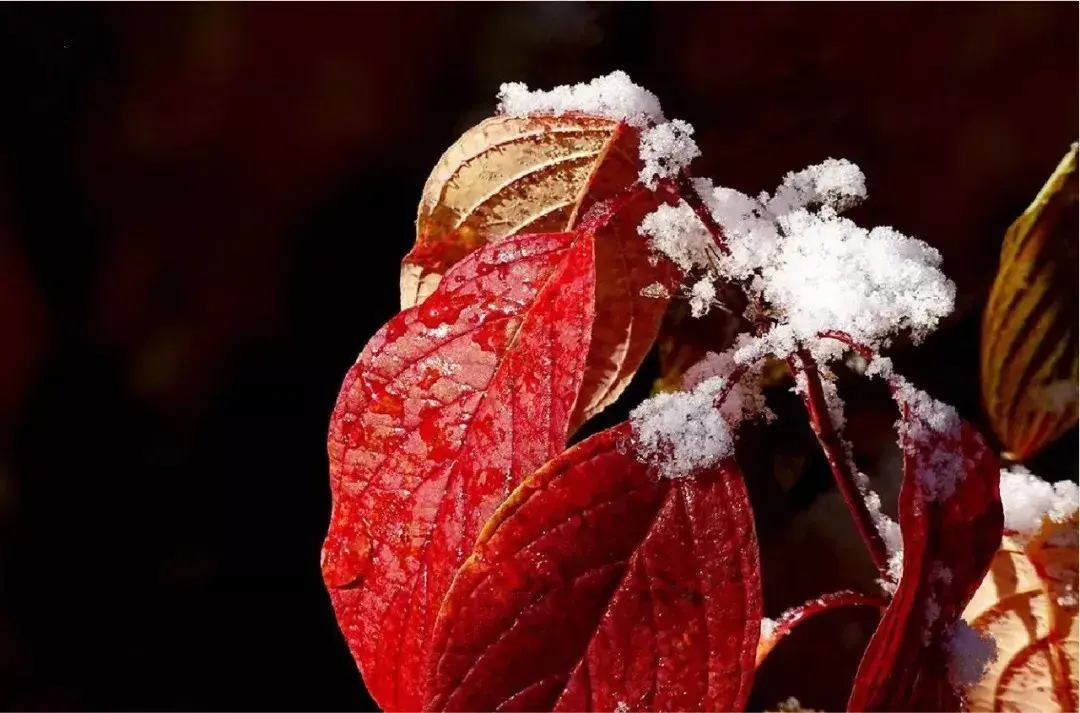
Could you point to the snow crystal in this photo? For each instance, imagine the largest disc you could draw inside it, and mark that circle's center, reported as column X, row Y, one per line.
column 613, row 96
column 702, row 296
column 779, row 341
column 831, row 275
column 820, row 272
column 931, row 434
column 676, row 232
column 665, row 150
column 684, row 432
column 746, row 398
column 750, row 232
column 837, row 183
column 1027, row 499
column 970, row 654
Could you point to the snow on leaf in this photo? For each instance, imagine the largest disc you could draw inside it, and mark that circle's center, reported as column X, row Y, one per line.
column 1028, row 500
column 1027, row 607
column 613, row 96
column 679, row 433
column 1029, row 340
column 448, row 407
column 948, row 543
column 599, row 586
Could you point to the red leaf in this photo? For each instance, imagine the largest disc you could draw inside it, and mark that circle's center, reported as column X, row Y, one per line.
column 449, row 406
column 948, row 546
column 598, row 585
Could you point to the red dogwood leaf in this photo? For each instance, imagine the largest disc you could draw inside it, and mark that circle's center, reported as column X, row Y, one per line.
column 599, row 586
column 949, row 542
column 448, row 407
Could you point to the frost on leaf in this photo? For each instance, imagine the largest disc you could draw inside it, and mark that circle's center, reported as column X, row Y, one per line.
column 448, row 407
column 598, row 586
column 950, row 533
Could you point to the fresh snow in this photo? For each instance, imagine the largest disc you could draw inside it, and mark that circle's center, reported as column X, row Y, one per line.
column 685, row 432
column 612, row 96
column 666, row 147
column 666, row 150
column 1027, row 499
column 931, row 436
column 677, row 233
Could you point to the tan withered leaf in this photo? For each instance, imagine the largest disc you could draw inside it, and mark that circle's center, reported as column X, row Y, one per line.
column 511, row 175
column 1029, row 339
column 1028, row 604
column 508, row 175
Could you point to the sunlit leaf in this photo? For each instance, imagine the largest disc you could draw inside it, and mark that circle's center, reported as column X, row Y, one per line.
column 1029, row 337
column 948, row 546
column 1028, row 603
column 448, row 407
column 599, row 586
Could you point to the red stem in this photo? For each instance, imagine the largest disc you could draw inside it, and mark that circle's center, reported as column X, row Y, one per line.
column 797, row 615
column 835, row 454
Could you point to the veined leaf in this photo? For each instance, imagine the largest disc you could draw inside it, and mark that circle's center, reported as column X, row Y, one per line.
column 599, row 586
column 948, row 545
column 448, row 407
column 511, row 175
column 1029, row 338
column 1028, row 603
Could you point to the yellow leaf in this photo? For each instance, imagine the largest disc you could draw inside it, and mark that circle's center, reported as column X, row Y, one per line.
column 1028, row 603
column 1029, row 339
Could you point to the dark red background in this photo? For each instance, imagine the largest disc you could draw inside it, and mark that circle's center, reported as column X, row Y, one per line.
column 202, row 210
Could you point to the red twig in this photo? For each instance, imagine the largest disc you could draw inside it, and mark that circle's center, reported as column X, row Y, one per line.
column 839, row 463
column 797, row 615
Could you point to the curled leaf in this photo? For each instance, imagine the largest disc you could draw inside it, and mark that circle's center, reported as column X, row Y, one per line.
column 1029, row 339
column 948, row 545
column 1028, row 604
column 448, row 407
column 598, row 586
column 511, row 175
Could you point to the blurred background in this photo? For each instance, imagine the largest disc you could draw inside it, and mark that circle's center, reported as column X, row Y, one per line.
column 202, row 212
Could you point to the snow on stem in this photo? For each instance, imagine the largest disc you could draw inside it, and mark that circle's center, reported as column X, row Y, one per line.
column 813, row 397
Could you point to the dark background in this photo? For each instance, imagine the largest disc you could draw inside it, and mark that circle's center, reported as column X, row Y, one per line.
column 202, row 211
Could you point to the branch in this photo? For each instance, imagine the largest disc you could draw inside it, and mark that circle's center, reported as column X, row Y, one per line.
column 839, row 463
